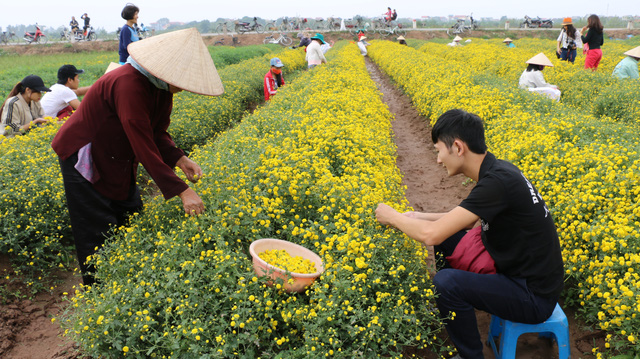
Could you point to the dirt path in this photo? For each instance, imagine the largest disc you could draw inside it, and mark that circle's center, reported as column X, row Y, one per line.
column 429, row 189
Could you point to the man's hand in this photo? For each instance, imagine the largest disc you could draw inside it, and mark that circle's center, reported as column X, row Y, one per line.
column 191, row 202
column 385, row 213
column 190, row 168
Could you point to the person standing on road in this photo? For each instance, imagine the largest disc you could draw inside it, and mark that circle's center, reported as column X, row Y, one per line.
column 569, row 41
column 122, row 122
column 273, row 79
column 593, row 41
column 22, row 108
column 127, row 33
column 62, row 100
column 73, row 24
column 315, row 56
column 86, row 19
column 521, row 276
column 627, row 68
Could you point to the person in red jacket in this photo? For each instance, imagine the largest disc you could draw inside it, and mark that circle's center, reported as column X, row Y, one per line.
column 123, row 121
column 273, row 79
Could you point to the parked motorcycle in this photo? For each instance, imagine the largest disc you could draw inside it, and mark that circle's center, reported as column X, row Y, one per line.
column 459, row 27
column 78, row 35
column 242, row 27
column 38, row 36
column 143, row 31
column 537, row 22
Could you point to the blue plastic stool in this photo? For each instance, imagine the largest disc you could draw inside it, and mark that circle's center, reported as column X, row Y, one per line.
column 556, row 327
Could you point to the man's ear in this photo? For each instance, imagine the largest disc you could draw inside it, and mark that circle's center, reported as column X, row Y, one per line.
column 459, row 147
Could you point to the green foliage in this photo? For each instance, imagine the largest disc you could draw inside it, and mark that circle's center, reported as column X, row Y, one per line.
column 620, row 101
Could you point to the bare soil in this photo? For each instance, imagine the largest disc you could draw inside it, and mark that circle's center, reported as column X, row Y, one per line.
column 26, row 329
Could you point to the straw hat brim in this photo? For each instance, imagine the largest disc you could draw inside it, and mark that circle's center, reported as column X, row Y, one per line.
column 457, row 38
column 112, row 66
column 401, row 38
column 540, row 59
column 179, row 58
column 363, row 38
column 635, row 52
column 507, row 40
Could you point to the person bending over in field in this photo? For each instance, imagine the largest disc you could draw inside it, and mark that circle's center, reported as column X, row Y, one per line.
column 22, row 108
column 273, row 79
column 63, row 98
column 315, row 56
column 519, row 275
column 123, row 121
column 533, row 80
column 627, row 68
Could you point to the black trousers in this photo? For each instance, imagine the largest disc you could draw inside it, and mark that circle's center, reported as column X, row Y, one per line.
column 92, row 214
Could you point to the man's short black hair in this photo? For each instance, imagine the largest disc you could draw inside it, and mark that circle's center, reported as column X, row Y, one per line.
column 462, row 125
column 129, row 11
column 66, row 72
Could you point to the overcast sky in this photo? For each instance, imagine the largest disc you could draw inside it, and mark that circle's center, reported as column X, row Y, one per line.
column 106, row 14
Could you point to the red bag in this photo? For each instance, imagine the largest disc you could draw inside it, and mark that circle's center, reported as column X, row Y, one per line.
column 471, row 255
column 585, row 49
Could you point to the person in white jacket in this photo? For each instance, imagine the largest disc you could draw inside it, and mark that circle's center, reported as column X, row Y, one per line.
column 315, row 56
column 533, row 80
column 362, row 45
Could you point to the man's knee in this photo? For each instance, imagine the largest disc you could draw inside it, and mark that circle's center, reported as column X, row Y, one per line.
column 445, row 280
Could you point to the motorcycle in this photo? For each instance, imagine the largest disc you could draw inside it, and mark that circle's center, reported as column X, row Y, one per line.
column 143, row 31
column 89, row 35
column 38, row 36
column 537, row 22
column 242, row 27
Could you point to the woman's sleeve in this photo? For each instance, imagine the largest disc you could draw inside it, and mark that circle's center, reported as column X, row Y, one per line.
column 11, row 116
column 125, row 36
column 578, row 39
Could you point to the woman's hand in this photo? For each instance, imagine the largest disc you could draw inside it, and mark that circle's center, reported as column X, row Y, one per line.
column 190, row 168
column 191, row 202
column 385, row 213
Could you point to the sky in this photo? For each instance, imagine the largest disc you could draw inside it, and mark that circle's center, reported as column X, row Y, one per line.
column 106, row 13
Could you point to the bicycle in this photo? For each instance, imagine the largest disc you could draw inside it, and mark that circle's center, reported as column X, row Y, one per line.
column 9, row 37
column 270, row 26
column 332, row 24
column 397, row 30
column 283, row 40
column 222, row 28
column 459, row 27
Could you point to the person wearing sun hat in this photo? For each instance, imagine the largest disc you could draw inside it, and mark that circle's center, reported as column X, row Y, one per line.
column 123, row 121
column 568, row 41
column 456, row 41
column 533, row 80
column 402, row 40
column 627, row 68
column 273, row 79
column 22, row 107
column 508, row 42
column 315, row 56
column 362, row 45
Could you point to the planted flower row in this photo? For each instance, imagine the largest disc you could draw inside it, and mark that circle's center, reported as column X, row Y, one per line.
column 308, row 167
column 586, row 167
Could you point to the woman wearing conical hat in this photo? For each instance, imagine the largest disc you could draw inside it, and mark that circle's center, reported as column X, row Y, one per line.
column 508, row 42
column 533, row 80
column 402, row 40
column 123, row 121
column 456, row 41
column 627, row 68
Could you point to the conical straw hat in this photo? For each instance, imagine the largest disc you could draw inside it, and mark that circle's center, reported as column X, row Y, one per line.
column 635, row 52
column 457, row 38
column 400, row 38
column 540, row 59
column 507, row 40
column 179, row 58
column 112, row 66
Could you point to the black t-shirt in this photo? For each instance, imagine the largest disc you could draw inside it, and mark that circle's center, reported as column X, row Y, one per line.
column 517, row 227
